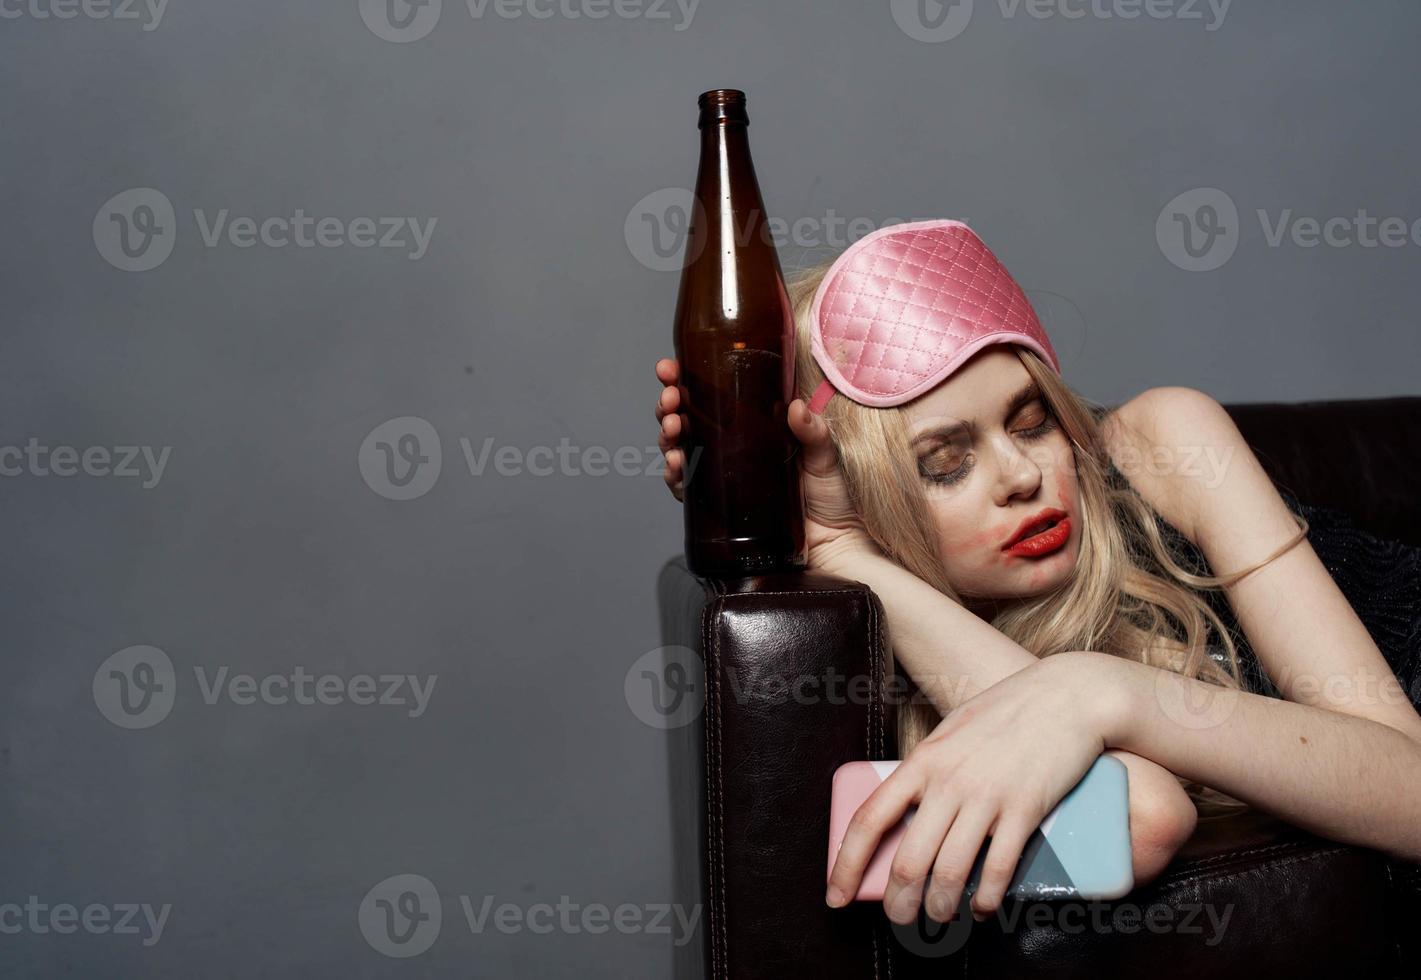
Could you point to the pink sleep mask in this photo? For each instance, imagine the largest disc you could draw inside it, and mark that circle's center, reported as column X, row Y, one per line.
column 906, row 305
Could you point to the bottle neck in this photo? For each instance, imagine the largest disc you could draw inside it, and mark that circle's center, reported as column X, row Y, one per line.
column 726, row 182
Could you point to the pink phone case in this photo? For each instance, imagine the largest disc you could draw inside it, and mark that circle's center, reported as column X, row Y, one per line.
column 854, row 783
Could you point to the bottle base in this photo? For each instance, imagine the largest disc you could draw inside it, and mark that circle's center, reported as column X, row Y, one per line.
column 731, row 557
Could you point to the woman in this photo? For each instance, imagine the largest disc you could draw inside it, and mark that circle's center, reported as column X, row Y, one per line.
column 1035, row 650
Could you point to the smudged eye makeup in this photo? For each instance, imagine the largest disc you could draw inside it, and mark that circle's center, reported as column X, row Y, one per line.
column 948, row 461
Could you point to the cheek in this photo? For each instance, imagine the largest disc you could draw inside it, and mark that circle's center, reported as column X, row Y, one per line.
column 963, row 544
column 1068, row 493
column 1067, row 490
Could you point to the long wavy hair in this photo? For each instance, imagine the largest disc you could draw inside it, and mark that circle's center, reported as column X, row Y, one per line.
column 1128, row 596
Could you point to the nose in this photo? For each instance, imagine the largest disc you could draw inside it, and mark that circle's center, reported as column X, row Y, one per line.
column 1017, row 475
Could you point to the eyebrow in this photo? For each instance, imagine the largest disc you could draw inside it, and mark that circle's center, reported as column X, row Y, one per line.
column 1028, row 393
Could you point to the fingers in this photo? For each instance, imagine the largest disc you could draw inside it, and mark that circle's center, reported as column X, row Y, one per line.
column 955, row 859
column 915, row 855
column 667, row 402
column 1008, row 840
column 870, row 822
column 673, row 475
column 669, row 436
column 670, row 432
column 820, row 458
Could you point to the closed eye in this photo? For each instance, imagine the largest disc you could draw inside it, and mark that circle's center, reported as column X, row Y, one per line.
column 942, row 466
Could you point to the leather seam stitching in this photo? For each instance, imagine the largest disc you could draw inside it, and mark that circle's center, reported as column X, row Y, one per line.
column 710, row 642
column 1282, row 862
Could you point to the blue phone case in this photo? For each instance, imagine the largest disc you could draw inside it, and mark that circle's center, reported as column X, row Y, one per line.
column 1082, row 847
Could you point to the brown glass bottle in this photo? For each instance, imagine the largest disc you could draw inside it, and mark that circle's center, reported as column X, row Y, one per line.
column 734, row 338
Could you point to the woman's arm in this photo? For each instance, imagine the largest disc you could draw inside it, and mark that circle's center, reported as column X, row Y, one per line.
column 1306, row 635
column 952, row 655
column 1342, row 755
column 1342, row 777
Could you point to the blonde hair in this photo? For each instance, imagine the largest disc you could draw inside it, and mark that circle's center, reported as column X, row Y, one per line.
column 1128, row 596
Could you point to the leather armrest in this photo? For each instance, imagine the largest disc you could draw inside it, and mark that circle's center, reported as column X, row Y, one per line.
column 1356, row 455
column 793, row 682
column 1248, row 896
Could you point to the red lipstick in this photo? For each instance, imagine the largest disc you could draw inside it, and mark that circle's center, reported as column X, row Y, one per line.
column 1040, row 534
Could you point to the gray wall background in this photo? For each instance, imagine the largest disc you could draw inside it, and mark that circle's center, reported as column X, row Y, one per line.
column 549, row 150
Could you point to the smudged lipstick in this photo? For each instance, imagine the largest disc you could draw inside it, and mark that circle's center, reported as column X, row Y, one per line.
column 1041, row 534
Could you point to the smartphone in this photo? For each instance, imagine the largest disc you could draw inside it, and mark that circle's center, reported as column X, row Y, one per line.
column 1080, row 850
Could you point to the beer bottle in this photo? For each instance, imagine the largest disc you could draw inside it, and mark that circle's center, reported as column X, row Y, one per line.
column 735, row 346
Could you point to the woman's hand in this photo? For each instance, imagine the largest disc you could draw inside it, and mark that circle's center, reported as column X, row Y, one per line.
column 996, row 765
column 831, row 525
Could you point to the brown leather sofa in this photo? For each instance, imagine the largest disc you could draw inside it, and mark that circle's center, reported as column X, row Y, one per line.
column 1248, row 896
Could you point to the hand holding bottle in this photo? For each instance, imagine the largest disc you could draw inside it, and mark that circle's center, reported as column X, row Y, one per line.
column 831, row 524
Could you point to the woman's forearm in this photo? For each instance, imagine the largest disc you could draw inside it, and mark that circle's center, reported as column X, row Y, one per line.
column 952, row 654
column 1340, row 776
